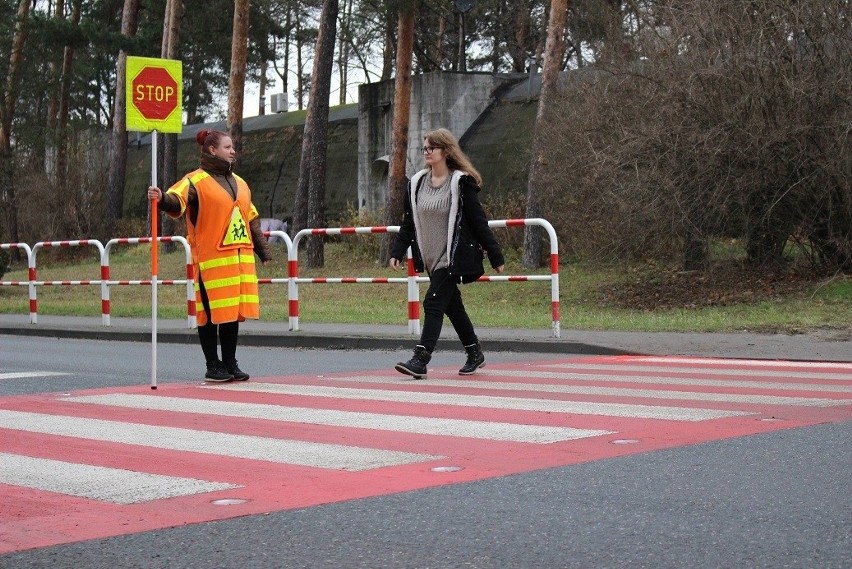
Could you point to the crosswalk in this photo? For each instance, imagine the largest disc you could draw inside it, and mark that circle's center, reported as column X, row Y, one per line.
column 174, row 456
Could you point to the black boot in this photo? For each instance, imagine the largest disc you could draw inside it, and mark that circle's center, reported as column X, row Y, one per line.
column 233, row 369
column 216, row 372
column 475, row 359
column 416, row 366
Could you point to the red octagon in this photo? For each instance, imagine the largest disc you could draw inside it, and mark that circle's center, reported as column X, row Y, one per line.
column 155, row 93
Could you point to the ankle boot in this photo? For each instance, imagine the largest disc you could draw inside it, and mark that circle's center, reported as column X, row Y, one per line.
column 234, row 369
column 216, row 372
column 416, row 366
column 475, row 359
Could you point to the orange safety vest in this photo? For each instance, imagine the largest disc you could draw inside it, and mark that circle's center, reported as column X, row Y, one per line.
column 222, row 248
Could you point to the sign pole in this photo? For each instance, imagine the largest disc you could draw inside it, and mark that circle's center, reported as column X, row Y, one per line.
column 154, row 251
column 153, row 92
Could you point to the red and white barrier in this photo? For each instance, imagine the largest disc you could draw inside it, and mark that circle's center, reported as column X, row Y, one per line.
column 74, row 243
column 189, row 281
column 104, row 282
column 293, row 268
column 28, row 283
column 412, row 279
column 553, row 277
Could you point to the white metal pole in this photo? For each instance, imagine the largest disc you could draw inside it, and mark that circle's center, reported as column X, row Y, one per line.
column 154, row 249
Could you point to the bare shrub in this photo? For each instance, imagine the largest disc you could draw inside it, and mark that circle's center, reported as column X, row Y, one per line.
column 72, row 206
column 733, row 122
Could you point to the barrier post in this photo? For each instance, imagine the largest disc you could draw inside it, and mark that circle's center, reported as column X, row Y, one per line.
column 31, row 274
column 292, row 286
column 413, row 295
column 554, row 265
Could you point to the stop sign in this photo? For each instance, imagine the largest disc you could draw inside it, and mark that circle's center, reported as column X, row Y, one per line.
column 155, row 93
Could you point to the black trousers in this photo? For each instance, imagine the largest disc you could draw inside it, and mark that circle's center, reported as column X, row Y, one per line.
column 444, row 297
column 212, row 334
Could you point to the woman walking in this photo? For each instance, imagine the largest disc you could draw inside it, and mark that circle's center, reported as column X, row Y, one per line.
column 224, row 233
column 448, row 231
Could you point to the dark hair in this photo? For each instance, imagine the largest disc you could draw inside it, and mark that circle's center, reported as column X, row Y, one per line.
column 207, row 138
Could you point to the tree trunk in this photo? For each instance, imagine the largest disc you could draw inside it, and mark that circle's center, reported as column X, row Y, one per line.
column 168, row 164
column 311, row 192
column 344, row 50
column 387, row 52
column 261, row 89
column 553, row 52
column 397, row 180
column 64, row 95
column 237, row 83
column 7, row 114
column 300, row 80
column 54, row 71
column 118, row 147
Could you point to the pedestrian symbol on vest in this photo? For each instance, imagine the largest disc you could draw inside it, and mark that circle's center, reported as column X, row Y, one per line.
column 237, row 233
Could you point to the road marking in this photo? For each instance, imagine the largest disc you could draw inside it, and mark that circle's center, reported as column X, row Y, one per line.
column 612, row 391
column 488, row 430
column 516, row 408
column 303, row 453
column 737, row 362
column 493, row 402
column 823, row 375
column 656, row 380
column 25, row 374
column 114, row 485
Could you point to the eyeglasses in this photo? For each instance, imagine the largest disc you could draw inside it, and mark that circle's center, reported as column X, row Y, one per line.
column 429, row 149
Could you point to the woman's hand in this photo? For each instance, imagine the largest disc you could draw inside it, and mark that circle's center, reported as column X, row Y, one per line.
column 394, row 263
column 500, row 268
column 155, row 193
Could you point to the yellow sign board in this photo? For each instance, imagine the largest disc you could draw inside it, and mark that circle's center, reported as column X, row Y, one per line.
column 154, row 94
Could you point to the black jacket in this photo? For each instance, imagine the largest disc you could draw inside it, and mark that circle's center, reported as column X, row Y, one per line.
column 472, row 238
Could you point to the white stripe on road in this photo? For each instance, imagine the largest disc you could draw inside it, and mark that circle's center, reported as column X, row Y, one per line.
column 208, row 442
column 782, row 372
column 609, row 391
column 467, row 400
column 398, row 423
column 739, row 362
column 697, row 382
column 25, row 374
column 114, row 485
column 646, row 380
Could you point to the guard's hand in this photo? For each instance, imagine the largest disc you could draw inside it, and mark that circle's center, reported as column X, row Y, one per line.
column 500, row 268
column 155, row 193
column 394, row 263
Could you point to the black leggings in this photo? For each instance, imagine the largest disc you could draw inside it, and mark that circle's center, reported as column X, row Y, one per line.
column 444, row 297
column 226, row 334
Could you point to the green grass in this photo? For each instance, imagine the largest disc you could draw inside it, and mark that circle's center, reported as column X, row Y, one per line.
column 827, row 304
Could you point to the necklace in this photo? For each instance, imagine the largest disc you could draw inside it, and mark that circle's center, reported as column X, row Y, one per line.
column 442, row 185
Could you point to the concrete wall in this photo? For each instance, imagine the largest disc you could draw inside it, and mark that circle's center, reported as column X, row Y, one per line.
column 439, row 99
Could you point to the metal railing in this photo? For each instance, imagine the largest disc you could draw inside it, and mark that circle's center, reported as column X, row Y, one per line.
column 412, row 280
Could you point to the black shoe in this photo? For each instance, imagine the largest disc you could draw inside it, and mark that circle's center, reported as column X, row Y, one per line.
column 416, row 366
column 233, row 369
column 216, row 372
column 475, row 359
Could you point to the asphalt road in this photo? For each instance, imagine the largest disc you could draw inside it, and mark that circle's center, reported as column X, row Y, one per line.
column 778, row 499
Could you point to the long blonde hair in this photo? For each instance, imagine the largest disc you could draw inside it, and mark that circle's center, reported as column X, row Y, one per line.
column 456, row 159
